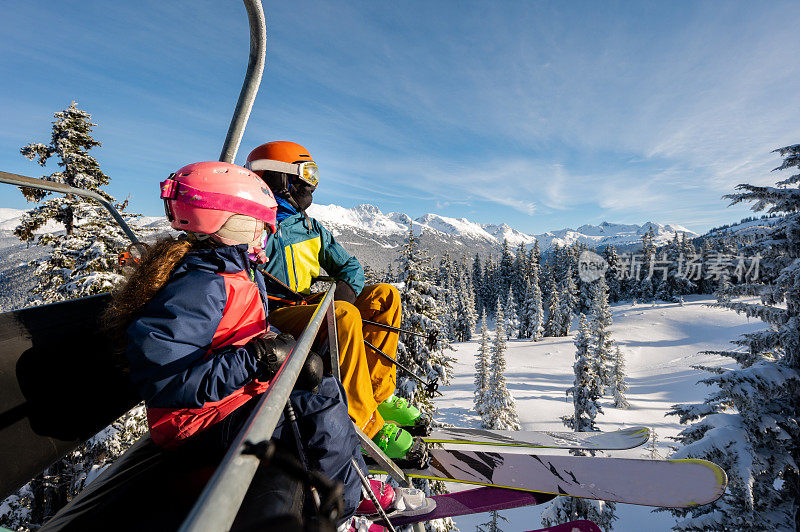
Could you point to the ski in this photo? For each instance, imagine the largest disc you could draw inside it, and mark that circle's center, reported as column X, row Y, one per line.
column 468, row 502
column 573, row 526
column 663, row 483
column 616, row 440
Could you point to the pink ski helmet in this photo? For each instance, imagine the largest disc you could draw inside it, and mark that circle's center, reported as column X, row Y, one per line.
column 200, row 197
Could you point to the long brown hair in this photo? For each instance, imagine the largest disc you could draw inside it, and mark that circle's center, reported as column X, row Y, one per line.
column 149, row 276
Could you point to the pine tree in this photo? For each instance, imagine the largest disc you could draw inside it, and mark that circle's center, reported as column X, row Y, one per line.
column 552, row 326
column 519, row 275
column 482, row 361
column 750, row 423
column 534, row 311
column 618, row 377
column 83, row 260
column 477, row 283
column 586, row 392
column 505, row 269
column 500, row 410
column 603, row 354
column 370, row 275
column 492, row 525
column 421, row 302
column 421, row 312
column 464, row 318
column 510, row 313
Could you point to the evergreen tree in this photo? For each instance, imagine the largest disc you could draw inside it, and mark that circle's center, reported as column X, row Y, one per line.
column 534, row 311
column 500, row 410
column 505, row 270
column 613, row 275
column 750, row 423
column 586, row 392
column 570, row 302
column 552, row 326
column 618, row 376
column 421, row 302
column 477, row 283
column 603, row 354
column 510, row 313
column 370, row 275
column 493, row 524
column 464, row 317
column 83, row 260
column 519, row 275
column 482, row 360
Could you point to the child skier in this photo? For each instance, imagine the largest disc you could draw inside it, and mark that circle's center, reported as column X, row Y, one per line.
column 297, row 253
column 200, row 349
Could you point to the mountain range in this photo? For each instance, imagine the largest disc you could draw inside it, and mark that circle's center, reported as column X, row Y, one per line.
column 375, row 237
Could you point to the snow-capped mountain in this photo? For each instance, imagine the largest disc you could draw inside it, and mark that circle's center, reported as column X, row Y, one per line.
column 619, row 235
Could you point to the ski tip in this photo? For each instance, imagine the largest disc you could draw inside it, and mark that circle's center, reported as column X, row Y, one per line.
column 719, row 473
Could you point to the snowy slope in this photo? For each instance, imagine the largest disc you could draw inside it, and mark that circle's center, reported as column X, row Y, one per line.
column 660, row 344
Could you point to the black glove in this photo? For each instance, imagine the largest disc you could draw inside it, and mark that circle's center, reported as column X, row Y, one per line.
column 344, row 292
column 271, row 354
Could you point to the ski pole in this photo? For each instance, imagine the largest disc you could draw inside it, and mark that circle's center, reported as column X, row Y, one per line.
column 430, row 337
column 432, row 387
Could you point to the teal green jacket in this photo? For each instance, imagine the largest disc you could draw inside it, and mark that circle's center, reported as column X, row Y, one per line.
column 301, row 247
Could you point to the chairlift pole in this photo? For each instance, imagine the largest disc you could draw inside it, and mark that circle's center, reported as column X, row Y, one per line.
column 252, row 80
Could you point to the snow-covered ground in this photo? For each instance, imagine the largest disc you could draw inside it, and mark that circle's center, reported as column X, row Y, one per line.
column 660, row 344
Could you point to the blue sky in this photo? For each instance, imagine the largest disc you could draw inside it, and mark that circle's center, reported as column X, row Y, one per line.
column 538, row 114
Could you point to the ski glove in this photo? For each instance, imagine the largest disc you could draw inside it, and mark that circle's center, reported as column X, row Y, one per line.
column 344, row 292
column 271, row 354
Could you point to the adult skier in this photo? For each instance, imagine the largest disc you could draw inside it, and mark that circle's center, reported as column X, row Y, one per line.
column 297, row 253
column 201, row 352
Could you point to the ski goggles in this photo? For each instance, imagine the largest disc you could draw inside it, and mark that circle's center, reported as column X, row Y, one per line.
column 308, row 171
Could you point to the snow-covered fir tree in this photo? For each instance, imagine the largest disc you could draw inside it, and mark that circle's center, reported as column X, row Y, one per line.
column 750, row 423
column 510, row 315
column 602, row 344
column 586, row 392
column 619, row 386
column 505, row 270
column 83, row 259
column 553, row 323
column 477, row 283
column 500, row 409
column 534, row 311
column 421, row 312
column 482, row 362
column 465, row 315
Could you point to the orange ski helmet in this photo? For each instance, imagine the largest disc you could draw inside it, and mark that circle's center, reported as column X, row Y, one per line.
column 285, row 157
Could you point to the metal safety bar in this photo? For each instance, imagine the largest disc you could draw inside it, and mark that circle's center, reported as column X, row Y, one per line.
column 52, row 186
column 217, row 506
column 252, row 80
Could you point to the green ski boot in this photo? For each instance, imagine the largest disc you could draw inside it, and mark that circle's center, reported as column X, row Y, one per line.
column 397, row 410
column 393, row 441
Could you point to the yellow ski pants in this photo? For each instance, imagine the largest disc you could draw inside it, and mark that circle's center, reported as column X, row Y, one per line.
column 367, row 378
